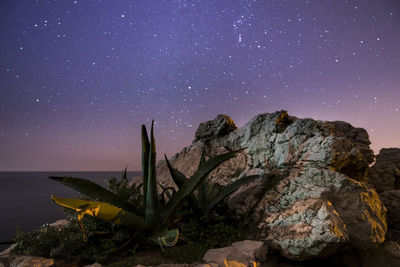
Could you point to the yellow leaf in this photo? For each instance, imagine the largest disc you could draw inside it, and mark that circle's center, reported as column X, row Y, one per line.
column 101, row 210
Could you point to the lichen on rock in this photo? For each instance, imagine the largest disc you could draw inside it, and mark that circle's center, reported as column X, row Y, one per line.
column 319, row 203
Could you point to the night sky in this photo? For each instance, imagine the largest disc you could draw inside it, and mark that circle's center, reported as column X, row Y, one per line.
column 78, row 78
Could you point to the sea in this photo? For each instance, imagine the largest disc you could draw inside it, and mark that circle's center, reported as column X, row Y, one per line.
column 25, row 198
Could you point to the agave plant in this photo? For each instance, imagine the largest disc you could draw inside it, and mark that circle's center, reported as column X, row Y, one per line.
column 207, row 199
column 152, row 220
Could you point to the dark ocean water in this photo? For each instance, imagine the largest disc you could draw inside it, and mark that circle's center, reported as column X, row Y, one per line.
column 25, row 198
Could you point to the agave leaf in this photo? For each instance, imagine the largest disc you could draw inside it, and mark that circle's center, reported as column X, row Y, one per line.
column 95, row 191
column 234, row 263
column 191, row 184
column 103, row 211
column 214, row 190
column 165, row 192
column 145, row 161
column 180, row 179
column 203, row 185
column 167, row 238
column 152, row 206
column 229, row 189
column 124, row 174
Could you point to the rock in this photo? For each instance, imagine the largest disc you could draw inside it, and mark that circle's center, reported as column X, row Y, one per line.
column 252, row 250
column 196, row 264
column 94, row 265
column 388, row 255
column 317, row 212
column 59, row 224
column 245, row 252
column 391, row 200
column 311, row 200
column 25, row 261
column 8, row 259
column 246, row 198
column 218, row 255
column 7, row 251
column 385, row 173
column 220, row 126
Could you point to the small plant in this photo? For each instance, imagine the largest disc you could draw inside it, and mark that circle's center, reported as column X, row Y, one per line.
column 152, row 220
column 65, row 244
column 208, row 197
column 124, row 189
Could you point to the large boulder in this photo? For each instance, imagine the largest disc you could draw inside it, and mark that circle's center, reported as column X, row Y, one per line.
column 311, row 200
column 385, row 173
column 319, row 210
column 391, row 200
column 388, row 255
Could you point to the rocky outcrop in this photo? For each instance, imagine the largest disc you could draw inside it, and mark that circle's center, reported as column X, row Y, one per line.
column 388, row 255
column 221, row 126
column 385, row 173
column 391, row 200
column 312, row 200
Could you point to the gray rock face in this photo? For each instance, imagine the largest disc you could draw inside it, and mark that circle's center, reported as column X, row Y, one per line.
column 273, row 142
column 319, row 210
column 385, row 173
column 318, row 203
column 244, row 252
column 220, row 126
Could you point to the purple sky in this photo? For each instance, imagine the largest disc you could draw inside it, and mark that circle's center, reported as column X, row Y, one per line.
column 78, row 78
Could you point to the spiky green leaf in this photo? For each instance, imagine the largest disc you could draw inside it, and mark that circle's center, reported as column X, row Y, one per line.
column 202, row 189
column 103, row 211
column 166, row 238
column 95, row 191
column 124, row 175
column 152, row 206
column 165, row 192
column 145, row 161
column 191, row 184
column 180, row 179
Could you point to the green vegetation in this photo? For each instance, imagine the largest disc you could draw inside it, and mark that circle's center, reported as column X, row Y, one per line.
column 208, row 197
column 153, row 220
column 134, row 217
column 65, row 244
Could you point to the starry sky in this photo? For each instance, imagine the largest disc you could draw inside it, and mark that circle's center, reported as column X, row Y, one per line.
column 78, row 78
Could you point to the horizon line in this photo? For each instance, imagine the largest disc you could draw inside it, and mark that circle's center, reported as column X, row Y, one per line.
column 62, row 171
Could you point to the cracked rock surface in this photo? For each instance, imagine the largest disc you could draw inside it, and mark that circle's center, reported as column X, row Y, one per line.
column 318, row 203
